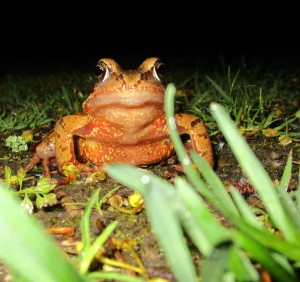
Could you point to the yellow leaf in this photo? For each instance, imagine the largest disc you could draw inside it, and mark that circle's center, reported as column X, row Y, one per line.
column 27, row 135
column 285, row 140
column 96, row 176
column 71, row 169
column 270, row 132
column 135, row 199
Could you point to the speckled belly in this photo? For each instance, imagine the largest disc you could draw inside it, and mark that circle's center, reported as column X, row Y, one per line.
column 141, row 154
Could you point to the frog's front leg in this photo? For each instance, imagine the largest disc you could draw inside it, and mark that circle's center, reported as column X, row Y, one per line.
column 65, row 131
column 45, row 151
column 199, row 137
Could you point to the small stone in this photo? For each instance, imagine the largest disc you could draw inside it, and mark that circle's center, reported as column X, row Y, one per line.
column 275, row 155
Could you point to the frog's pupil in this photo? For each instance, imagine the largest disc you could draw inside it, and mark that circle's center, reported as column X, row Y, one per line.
column 98, row 71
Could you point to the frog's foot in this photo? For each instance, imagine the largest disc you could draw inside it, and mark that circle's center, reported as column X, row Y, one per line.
column 85, row 169
column 198, row 137
column 91, row 169
column 35, row 160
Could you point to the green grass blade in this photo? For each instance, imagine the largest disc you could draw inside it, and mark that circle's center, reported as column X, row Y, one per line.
column 244, row 209
column 89, row 249
column 298, row 186
column 289, row 205
column 240, row 264
column 104, row 199
column 266, row 258
column 162, row 208
column 189, row 170
column 199, row 223
column 258, row 176
column 85, row 221
column 220, row 90
column 270, row 240
column 214, row 267
column 204, row 190
column 87, row 255
column 216, row 185
column 25, row 249
column 287, row 173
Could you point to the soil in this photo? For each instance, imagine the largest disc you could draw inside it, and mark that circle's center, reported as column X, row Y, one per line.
column 136, row 227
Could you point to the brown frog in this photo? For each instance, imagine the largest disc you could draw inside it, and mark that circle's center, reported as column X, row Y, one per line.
column 123, row 121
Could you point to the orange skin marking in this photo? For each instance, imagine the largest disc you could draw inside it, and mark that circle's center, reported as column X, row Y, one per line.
column 123, row 121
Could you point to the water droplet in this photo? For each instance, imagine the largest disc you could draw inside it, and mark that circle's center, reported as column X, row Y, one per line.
column 145, row 179
column 213, row 106
column 172, row 122
column 186, row 161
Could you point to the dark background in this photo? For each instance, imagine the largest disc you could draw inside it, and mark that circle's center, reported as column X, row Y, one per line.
column 53, row 40
column 46, row 55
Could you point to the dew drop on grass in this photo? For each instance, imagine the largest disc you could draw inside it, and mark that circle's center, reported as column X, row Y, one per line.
column 186, row 161
column 172, row 122
column 145, row 179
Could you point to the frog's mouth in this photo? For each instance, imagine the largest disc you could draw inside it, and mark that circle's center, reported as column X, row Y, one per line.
column 127, row 100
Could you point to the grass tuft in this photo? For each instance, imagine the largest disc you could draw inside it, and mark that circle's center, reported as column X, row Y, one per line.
column 240, row 253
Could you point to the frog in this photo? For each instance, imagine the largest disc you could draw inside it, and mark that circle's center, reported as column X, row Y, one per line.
column 122, row 121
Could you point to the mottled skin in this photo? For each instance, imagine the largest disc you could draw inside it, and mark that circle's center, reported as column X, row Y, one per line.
column 123, row 121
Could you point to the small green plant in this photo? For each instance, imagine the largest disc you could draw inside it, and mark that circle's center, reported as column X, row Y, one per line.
column 16, row 143
column 41, row 191
column 229, row 254
column 31, row 255
column 28, row 252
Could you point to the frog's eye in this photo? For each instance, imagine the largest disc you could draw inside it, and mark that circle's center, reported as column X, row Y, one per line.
column 102, row 72
column 159, row 70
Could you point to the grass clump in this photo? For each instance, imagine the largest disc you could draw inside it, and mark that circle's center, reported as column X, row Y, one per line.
column 261, row 108
column 34, row 256
column 241, row 253
column 30, row 103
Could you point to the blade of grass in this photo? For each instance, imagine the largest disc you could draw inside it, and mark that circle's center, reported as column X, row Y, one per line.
column 190, row 171
column 244, row 209
column 161, row 202
column 267, row 259
column 199, row 223
column 215, row 183
column 289, row 205
column 214, row 266
column 258, row 177
column 84, row 224
column 220, row 90
column 291, row 250
column 89, row 249
column 287, row 173
column 104, row 198
column 240, row 264
column 86, row 256
column 26, row 249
